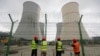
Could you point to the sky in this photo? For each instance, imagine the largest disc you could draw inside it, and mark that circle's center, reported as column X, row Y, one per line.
column 89, row 8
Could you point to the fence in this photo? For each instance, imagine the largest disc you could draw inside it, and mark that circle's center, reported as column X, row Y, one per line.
column 21, row 47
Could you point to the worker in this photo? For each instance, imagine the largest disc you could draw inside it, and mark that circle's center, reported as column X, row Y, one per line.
column 44, row 47
column 76, row 47
column 59, row 47
column 34, row 46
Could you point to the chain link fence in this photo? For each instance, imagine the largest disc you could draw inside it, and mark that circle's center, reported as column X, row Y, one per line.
column 21, row 47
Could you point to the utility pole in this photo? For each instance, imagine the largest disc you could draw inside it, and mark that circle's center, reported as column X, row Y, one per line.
column 81, row 38
column 10, row 35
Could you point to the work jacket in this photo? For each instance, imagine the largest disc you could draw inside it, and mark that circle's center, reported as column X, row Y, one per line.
column 33, row 45
column 44, row 45
column 59, row 46
column 76, row 47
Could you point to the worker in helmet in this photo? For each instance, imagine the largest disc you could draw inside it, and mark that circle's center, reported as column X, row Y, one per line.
column 44, row 46
column 59, row 47
column 34, row 44
column 76, row 47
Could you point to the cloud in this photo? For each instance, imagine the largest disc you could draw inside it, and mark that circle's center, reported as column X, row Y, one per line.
column 3, row 29
column 88, row 10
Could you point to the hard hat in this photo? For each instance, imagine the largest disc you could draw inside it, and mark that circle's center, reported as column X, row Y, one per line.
column 44, row 38
column 74, row 39
column 58, row 38
column 35, row 37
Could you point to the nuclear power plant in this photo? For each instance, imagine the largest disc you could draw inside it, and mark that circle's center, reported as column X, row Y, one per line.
column 71, row 17
column 29, row 24
column 68, row 29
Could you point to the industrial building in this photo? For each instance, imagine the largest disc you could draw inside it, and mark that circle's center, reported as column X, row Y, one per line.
column 29, row 24
column 42, row 28
column 71, row 17
column 59, row 27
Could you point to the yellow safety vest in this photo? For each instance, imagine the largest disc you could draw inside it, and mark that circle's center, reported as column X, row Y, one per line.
column 44, row 45
column 59, row 47
column 33, row 45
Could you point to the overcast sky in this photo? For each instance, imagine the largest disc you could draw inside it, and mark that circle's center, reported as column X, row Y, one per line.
column 89, row 8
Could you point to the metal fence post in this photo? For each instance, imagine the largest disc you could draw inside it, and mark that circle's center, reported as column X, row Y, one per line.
column 10, row 35
column 81, row 38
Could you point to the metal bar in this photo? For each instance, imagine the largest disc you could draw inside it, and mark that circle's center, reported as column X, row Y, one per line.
column 81, row 38
column 10, row 18
column 80, row 19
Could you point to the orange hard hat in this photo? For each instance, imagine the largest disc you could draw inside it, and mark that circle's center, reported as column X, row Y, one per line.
column 35, row 37
column 74, row 39
column 58, row 38
column 43, row 38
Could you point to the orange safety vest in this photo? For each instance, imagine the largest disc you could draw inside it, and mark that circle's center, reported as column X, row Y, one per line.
column 76, row 47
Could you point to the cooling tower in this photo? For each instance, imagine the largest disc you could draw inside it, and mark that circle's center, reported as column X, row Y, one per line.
column 59, row 27
column 29, row 24
column 42, row 28
column 71, row 16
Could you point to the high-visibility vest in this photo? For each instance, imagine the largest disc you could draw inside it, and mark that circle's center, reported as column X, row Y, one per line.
column 44, row 45
column 33, row 45
column 76, row 47
column 59, row 46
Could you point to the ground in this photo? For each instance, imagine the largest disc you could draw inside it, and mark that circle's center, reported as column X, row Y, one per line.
column 26, row 51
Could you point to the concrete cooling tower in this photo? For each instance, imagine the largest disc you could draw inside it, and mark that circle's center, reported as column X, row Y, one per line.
column 42, row 28
column 59, row 27
column 71, row 16
column 29, row 24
